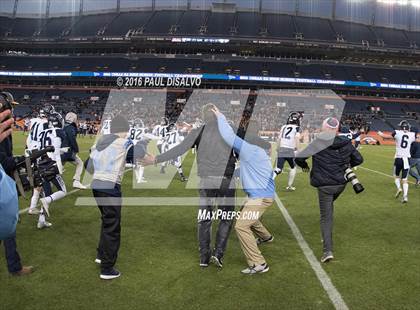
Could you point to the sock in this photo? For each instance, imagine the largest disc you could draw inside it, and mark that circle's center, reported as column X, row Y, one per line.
column 181, row 173
column 34, row 199
column 292, row 174
column 41, row 218
column 57, row 196
column 405, row 188
column 398, row 183
column 139, row 171
column 79, row 169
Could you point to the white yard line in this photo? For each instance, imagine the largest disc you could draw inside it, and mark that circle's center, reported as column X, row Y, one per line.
column 330, row 289
column 381, row 173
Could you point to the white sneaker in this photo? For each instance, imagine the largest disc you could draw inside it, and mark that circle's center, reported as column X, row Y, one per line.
column 398, row 193
column 405, row 199
column 256, row 269
column 77, row 184
column 33, row 211
column 290, row 188
column 45, row 206
column 42, row 225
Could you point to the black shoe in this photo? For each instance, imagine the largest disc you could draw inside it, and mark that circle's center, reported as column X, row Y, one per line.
column 261, row 241
column 183, row 178
column 204, row 261
column 328, row 256
column 217, row 260
column 110, row 274
column 162, row 170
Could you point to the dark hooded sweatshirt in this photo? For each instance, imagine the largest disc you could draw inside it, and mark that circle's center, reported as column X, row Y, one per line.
column 331, row 156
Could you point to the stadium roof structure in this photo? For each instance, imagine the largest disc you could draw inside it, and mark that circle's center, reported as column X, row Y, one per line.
column 398, row 14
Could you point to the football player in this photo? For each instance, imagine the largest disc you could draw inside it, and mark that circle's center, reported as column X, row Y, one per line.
column 172, row 139
column 52, row 136
column 403, row 140
column 356, row 136
column 39, row 123
column 106, row 126
column 138, row 134
column 160, row 131
column 288, row 143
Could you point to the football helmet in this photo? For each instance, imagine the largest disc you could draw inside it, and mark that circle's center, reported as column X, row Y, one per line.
column 171, row 127
column 46, row 110
column 55, row 120
column 294, row 118
column 138, row 123
column 404, row 125
column 164, row 121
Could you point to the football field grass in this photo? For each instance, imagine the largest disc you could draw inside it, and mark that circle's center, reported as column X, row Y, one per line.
column 376, row 245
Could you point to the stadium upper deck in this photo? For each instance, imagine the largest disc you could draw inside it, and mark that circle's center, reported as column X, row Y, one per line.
column 210, row 24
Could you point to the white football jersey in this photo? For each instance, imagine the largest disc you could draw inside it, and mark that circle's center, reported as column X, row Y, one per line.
column 172, row 139
column 403, row 141
column 288, row 135
column 136, row 134
column 53, row 137
column 160, row 131
column 106, row 127
column 37, row 125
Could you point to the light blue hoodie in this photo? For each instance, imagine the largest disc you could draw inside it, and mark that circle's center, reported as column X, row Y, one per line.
column 256, row 172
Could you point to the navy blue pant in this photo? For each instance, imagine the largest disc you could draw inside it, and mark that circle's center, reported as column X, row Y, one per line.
column 12, row 256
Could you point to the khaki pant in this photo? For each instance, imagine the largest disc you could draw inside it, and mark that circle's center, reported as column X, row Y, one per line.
column 248, row 224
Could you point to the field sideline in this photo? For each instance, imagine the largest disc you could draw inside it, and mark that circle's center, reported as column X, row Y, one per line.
column 377, row 249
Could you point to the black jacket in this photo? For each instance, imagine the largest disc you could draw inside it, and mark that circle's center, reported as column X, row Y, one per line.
column 214, row 156
column 6, row 155
column 70, row 141
column 415, row 149
column 329, row 162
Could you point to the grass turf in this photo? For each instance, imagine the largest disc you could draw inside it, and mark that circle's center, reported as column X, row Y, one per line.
column 377, row 245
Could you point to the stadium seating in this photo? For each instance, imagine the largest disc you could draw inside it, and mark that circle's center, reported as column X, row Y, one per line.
column 191, row 22
column 27, row 27
column 126, row 21
column 413, row 37
column 315, row 28
column 281, row 26
column 5, row 25
column 194, row 22
column 354, row 33
column 220, row 23
column 391, row 37
column 162, row 21
column 249, row 24
column 236, row 67
column 91, row 25
column 56, row 27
